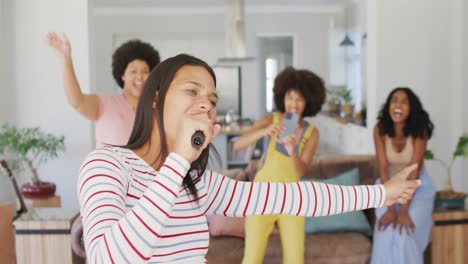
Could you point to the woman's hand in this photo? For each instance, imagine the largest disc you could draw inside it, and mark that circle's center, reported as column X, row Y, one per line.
column 60, row 45
column 188, row 125
column 388, row 218
column 405, row 222
column 290, row 144
column 273, row 130
column 399, row 189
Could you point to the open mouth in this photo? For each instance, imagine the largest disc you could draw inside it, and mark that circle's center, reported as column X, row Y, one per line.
column 398, row 112
column 138, row 86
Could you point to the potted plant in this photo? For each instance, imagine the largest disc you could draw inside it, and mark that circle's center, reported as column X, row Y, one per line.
column 448, row 198
column 347, row 107
column 333, row 102
column 360, row 117
column 29, row 148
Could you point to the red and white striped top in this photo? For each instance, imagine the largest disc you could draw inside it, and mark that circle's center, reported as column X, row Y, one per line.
column 134, row 214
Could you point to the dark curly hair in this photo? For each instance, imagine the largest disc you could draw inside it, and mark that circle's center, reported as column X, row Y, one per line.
column 307, row 83
column 418, row 124
column 130, row 51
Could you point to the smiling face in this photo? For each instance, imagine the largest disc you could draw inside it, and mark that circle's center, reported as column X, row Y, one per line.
column 134, row 77
column 294, row 102
column 399, row 108
column 191, row 92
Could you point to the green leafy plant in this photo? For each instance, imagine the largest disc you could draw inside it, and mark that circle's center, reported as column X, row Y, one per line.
column 345, row 95
column 332, row 93
column 30, row 147
column 460, row 151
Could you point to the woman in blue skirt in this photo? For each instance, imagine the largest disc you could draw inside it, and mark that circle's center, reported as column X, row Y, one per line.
column 402, row 232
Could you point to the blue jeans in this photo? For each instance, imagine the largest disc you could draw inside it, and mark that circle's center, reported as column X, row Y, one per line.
column 389, row 246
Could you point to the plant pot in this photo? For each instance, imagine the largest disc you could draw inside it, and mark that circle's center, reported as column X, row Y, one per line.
column 347, row 110
column 449, row 200
column 333, row 107
column 40, row 191
column 358, row 118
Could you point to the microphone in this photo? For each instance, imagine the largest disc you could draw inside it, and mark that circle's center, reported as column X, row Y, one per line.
column 198, row 138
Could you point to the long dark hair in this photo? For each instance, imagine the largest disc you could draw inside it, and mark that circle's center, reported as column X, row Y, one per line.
column 418, row 124
column 155, row 90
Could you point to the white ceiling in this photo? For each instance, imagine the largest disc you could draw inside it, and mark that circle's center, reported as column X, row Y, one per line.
column 155, row 3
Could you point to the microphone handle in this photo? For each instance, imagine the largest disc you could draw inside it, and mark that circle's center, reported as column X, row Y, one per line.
column 198, row 138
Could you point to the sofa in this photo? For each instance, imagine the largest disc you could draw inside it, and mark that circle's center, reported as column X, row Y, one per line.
column 227, row 243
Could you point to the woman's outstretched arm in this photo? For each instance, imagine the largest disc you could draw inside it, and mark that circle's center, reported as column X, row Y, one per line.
column 233, row 198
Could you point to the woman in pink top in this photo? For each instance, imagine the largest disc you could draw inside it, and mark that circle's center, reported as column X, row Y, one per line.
column 113, row 115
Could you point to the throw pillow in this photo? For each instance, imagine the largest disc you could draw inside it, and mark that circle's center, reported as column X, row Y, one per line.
column 347, row 222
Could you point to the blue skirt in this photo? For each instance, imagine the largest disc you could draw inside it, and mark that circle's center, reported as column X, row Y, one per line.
column 388, row 246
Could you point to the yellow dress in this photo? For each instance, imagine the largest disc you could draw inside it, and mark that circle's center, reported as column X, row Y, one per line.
column 277, row 166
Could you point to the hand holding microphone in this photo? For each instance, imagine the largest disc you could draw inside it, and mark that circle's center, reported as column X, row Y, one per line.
column 198, row 138
column 193, row 136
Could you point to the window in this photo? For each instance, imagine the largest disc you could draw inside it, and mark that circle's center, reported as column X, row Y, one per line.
column 275, row 54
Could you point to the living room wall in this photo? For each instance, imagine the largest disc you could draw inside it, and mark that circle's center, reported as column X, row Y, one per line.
column 430, row 56
column 36, row 79
column 465, row 84
column 310, row 27
column 425, row 54
column 7, row 113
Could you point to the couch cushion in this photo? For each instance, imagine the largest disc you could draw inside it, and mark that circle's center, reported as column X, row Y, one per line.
column 328, row 166
column 226, row 226
column 219, row 225
column 226, row 250
column 348, row 222
column 326, row 248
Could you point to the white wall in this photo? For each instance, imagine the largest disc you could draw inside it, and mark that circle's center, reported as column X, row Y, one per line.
column 337, row 138
column 7, row 98
column 425, row 48
column 421, row 49
column 465, row 84
column 311, row 51
column 7, row 113
column 309, row 29
column 40, row 100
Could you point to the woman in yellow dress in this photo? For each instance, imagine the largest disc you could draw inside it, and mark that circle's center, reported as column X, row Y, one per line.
column 295, row 91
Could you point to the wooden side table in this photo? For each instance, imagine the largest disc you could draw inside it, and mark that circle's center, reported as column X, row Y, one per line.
column 7, row 234
column 450, row 237
column 43, row 236
column 53, row 201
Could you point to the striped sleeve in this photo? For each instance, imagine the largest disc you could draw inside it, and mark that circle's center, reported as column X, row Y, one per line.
column 113, row 234
column 234, row 198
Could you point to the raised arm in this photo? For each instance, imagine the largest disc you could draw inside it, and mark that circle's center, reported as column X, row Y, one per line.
column 261, row 128
column 86, row 104
column 113, row 234
column 233, row 198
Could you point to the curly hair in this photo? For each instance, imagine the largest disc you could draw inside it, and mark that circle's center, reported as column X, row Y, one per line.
column 307, row 83
column 130, row 51
column 418, row 124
